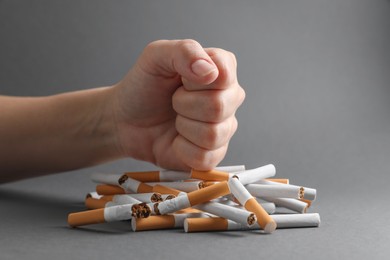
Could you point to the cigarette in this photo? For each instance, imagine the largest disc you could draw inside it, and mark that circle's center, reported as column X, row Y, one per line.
column 246, row 199
column 132, row 185
column 292, row 204
column 106, row 189
column 254, row 175
column 182, row 186
column 307, row 193
column 167, row 190
column 95, row 216
column 213, row 175
column 231, row 168
column 162, row 222
column 190, row 199
column 236, row 214
column 222, row 224
column 276, row 191
column 137, row 198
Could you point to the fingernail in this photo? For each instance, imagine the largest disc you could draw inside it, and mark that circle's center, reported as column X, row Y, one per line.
column 202, row 68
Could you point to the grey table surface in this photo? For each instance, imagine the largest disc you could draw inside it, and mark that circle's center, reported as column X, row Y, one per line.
column 316, row 74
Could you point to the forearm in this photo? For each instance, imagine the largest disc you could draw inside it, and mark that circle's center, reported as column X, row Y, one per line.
column 56, row 133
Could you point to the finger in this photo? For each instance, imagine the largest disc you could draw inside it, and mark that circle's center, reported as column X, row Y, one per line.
column 184, row 57
column 208, row 136
column 227, row 71
column 212, row 106
column 197, row 157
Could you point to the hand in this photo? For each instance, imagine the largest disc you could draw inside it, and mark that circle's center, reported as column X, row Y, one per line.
column 176, row 107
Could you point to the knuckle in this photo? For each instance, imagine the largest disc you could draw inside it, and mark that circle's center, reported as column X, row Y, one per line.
column 217, row 108
column 205, row 160
column 187, row 44
column 241, row 95
column 212, row 136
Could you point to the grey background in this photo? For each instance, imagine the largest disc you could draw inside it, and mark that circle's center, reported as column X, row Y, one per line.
column 316, row 74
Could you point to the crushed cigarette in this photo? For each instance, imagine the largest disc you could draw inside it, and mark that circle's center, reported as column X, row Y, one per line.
column 225, row 198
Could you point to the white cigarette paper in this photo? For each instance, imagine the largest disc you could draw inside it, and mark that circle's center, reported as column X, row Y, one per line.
column 292, row 204
column 276, row 191
column 308, row 193
column 231, row 169
column 118, row 213
column 236, row 214
column 253, row 175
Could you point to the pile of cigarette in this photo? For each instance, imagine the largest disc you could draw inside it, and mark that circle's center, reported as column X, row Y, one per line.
column 226, row 198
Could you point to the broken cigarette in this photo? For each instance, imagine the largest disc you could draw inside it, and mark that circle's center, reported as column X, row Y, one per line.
column 187, row 200
column 308, row 193
column 292, row 204
column 236, row 214
column 253, row 175
column 132, row 185
column 250, row 203
column 276, row 191
column 95, row 216
column 162, row 222
column 222, row 224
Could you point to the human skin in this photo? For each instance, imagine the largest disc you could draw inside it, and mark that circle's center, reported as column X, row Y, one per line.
column 175, row 108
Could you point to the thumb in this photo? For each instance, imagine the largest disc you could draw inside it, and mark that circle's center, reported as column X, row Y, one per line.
column 184, row 57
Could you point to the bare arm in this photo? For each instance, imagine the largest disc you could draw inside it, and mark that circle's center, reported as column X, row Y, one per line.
column 41, row 135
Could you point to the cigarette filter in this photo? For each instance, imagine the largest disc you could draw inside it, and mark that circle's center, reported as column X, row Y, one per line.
column 276, row 191
column 236, row 214
column 222, row 224
column 246, row 199
column 292, row 204
column 95, row 216
column 131, row 185
column 162, row 222
column 92, row 203
column 213, row 175
column 106, row 189
column 167, row 190
column 253, row 175
column 190, row 199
